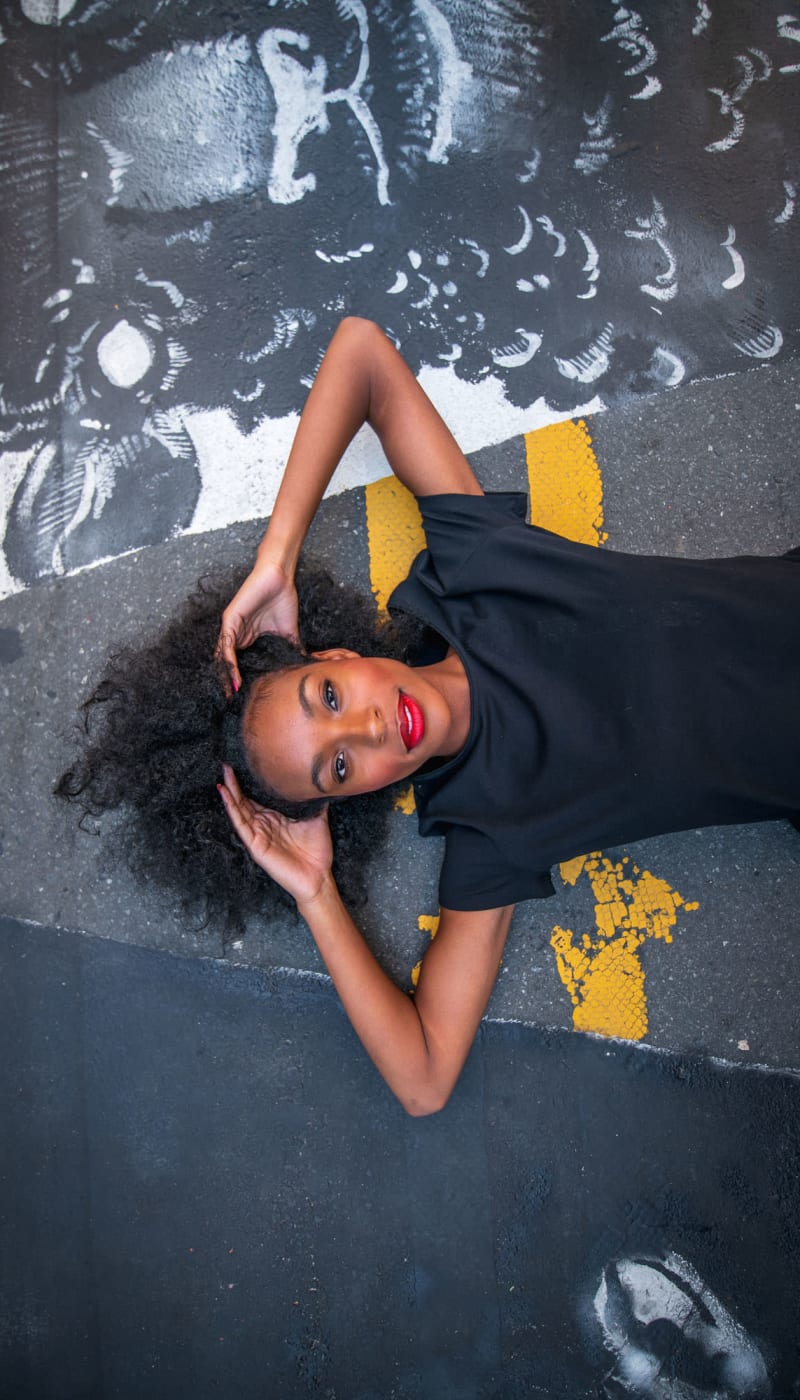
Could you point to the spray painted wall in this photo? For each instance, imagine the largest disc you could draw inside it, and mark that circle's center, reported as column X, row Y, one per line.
column 549, row 207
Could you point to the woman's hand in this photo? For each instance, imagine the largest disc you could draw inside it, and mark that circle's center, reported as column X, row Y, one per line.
column 298, row 855
column 266, row 602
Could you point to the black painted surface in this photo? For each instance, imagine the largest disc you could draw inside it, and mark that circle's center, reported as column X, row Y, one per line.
column 207, row 1190
column 607, row 209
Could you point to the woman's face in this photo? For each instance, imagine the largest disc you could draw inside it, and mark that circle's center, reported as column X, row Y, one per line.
column 345, row 724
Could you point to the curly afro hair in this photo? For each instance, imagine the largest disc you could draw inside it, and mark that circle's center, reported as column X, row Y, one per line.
column 158, row 726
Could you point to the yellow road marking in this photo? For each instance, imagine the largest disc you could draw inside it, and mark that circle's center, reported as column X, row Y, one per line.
column 429, row 923
column 564, row 481
column 394, row 534
column 602, row 971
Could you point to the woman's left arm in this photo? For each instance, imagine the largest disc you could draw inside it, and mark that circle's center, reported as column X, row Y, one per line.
column 418, row 1043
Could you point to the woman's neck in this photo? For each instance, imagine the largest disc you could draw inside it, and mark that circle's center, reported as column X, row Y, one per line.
column 450, row 679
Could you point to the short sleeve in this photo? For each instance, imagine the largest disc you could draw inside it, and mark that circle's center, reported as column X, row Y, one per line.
column 455, row 526
column 474, row 874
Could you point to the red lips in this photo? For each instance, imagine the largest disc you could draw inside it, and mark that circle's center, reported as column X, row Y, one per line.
column 411, row 721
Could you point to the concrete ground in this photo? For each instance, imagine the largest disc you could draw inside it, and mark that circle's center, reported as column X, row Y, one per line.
column 706, row 470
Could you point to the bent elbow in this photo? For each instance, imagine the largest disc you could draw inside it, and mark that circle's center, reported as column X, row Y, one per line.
column 424, row 1103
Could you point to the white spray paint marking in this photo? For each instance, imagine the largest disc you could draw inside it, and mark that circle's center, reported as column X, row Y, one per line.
column 702, row 18
column 763, row 345
column 85, row 273
column 399, row 285
column 301, row 103
column 286, row 323
column 667, row 367
column 597, row 145
column 590, row 266
column 592, row 362
column 790, row 191
column 638, row 1293
column 789, row 28
column 118, row 162
column 345, row 257
column 453, row 74
column 124, row 355
column 480, row 253
column 515, row 355
column 652, row 228
column 737, row 276
column 561, row 242
column 175, row 295
column 729, row 101
column 530, row 168
column 46, row 11
column 525, row 237
column 629, row 34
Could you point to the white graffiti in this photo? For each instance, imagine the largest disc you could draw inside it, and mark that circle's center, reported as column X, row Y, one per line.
column 516, row 355
column 653, row 228
column 345, row 257
column 590, row 266
column 174, row 293
column 453, row 73
column 737, row 276
column 118, row 162
column 531, row 168
column 592, row 362
column 789, row 28
column 763, row 345
column 790, row 191
column 629, row 33
column 302, row 105
column 597, row 145
column 480, row 253
column 525, row 237
column 729, row 101
column 666, row 367
column 702, row 18
column 286, row 325
column 561, row 242
column 644, row 1305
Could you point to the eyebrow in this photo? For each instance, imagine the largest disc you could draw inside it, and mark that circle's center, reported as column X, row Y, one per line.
column 305, row 705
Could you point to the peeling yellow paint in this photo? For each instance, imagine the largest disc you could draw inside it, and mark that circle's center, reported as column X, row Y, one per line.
column 602, row 971
column 394, row 534
column 405, row 802
column 564, row 481
column 429, row 923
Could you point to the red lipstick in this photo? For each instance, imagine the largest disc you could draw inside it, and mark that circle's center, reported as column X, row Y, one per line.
column 411, row 721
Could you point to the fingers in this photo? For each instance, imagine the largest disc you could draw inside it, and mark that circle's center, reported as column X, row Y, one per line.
column 225, row 655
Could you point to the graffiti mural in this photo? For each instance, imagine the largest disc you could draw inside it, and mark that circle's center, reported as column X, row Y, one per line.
column 574, row 206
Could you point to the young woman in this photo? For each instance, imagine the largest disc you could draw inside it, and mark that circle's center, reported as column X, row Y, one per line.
column 561, row 698
column 572, row 698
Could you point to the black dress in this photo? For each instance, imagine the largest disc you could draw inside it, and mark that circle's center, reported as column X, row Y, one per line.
column 613, row 696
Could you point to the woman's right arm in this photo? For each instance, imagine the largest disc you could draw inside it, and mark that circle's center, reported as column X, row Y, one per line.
column 362, row 379
column 419, row 1044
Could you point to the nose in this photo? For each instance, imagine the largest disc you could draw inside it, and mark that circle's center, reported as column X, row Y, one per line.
column 367, row 726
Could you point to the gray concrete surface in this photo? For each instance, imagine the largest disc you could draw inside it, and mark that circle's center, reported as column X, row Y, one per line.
column 710, row 469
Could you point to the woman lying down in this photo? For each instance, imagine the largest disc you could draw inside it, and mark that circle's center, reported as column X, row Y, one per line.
column 544, row 697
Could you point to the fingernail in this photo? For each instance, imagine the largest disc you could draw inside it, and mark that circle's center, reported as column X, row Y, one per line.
column 235, row 684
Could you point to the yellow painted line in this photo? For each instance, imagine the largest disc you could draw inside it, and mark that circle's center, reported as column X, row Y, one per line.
column 601, row 971
column 427, row 923
column 394, row 534
column 564, row 481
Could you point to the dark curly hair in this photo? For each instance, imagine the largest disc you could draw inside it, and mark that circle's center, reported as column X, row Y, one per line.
column 158, row 726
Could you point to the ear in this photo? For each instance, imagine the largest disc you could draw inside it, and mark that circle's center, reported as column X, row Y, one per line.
column 335, row 654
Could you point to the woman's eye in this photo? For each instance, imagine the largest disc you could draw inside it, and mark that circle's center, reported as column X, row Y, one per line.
column 340, row 767
column 329, row 696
